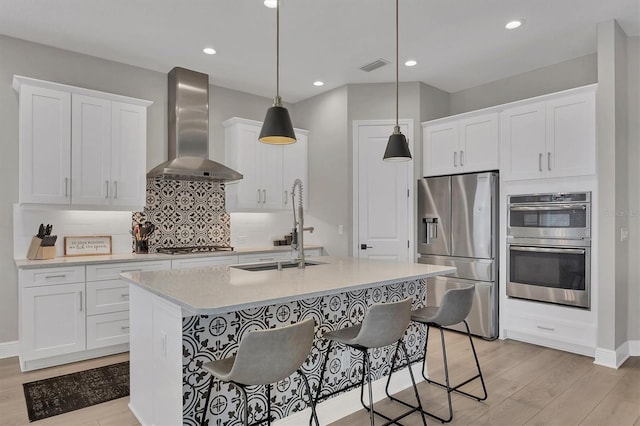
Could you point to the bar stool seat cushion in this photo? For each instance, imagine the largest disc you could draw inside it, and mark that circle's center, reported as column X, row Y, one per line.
column 266, row 356
column 453, row 309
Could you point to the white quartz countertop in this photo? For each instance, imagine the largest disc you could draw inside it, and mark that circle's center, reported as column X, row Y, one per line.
column 220, row 289
column 133, row 257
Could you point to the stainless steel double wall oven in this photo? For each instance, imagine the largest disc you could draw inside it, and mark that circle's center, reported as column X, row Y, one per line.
column 549, row 248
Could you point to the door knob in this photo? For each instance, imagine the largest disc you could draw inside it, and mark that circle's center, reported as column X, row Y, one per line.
column 364, row 247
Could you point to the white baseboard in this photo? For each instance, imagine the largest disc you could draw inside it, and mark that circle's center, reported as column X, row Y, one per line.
column 562, row 345
column 9, row 349
column 347, row 403
column 614, row 359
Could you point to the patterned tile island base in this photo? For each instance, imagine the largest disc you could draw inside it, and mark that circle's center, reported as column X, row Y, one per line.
column 205, row 338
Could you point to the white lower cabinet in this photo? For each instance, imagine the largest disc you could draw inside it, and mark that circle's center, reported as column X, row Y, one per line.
column 52, row 320
column 264, row 257
column 107, row 329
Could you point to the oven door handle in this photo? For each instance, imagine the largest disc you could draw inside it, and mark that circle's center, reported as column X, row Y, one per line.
column 547, row 208
column 548, row 250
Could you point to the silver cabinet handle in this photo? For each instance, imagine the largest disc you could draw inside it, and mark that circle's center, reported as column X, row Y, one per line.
column 259, row 199
column 461, row 158
column 286, row 197
column 264, row 195
column 115, row 189
column 546, row 328
column 48, row 277
column 548, row 161
column 80, row 293
column 455, row 159
column 124, row 295
column 66, row 187
column 124, row 327
column 106, row 183
column 540, row 162
column 130, row 270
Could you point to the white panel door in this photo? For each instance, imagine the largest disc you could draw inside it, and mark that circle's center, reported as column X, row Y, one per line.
column 45, row 146
column 128, row 155
column 522, row 132
column 478, row 149
column 383, row 203
column 90, row 150
column 440, row 150
column 52, row 319
column 571, row 136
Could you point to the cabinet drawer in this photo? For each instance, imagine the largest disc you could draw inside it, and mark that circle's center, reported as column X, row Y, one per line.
column 112, row 271
column 107, row 296
column 196, row 262
column 50, row 276
column 555, row 329
column 107, row 329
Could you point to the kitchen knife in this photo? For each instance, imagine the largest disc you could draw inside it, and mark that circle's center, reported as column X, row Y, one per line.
column 48, row 229
column 41, row 231
column 49, row 240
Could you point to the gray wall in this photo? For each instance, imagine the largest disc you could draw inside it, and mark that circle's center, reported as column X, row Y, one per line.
column 633, row 56
column 554, row 78
column 329, row 166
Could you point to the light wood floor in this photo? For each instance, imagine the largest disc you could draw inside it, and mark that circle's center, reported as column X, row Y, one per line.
column 527, row 384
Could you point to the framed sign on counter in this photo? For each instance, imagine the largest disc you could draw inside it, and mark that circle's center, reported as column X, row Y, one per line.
column 87, row 245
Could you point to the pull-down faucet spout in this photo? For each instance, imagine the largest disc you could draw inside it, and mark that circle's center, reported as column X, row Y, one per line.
column 297, row 240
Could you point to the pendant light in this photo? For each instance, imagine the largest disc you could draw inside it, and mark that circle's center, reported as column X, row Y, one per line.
column 277, row 128
column 397, row 146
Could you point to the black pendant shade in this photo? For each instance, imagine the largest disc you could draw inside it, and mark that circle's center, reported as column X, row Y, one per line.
column 397, row 148
column 277, row 128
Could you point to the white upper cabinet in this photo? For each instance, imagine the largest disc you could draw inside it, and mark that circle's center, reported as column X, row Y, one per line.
column 81, row 147
column 45, row 145
column 269, row 170
column 552, row 136
column 460, row 145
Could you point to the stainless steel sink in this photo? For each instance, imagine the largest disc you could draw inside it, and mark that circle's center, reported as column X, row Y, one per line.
column 271, row 266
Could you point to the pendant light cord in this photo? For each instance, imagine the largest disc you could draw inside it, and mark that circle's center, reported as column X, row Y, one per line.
column 277, row 53
column 397, row 89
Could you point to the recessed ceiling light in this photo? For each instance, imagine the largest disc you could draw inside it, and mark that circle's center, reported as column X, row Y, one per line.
column 318, row 83
column 410, row 63
column 512, row 25
column 209, row 50
column 271, row 4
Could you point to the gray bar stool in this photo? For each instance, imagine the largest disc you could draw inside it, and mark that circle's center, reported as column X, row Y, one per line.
column 265, row 357
column 454, row 309
column 383, row 324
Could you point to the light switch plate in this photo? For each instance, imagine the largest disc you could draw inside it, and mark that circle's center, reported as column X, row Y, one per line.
column 624, row 234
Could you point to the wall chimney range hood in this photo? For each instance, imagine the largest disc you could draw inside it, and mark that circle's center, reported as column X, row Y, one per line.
column 189, row 132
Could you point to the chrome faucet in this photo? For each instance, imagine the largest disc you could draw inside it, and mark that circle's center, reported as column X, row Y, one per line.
column 297, row 235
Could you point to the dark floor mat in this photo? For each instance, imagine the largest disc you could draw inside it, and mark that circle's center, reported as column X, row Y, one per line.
column 58, row 395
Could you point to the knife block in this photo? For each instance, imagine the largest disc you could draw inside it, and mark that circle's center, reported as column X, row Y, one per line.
column 37, row 252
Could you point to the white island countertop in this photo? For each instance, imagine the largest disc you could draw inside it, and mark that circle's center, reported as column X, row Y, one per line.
column 220, row 289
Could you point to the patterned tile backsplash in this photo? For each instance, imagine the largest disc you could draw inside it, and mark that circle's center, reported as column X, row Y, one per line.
column 185, row 213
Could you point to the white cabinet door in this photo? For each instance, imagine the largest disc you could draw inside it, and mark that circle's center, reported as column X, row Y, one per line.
column 269, row 170
column 571, row 136
column 270, row 157
column 478, row 148
column 52, row 320
column 107, row 329
column 90, row 150
column 440, row 149
column 45, row 146
column 522, row 132
column 128, row 155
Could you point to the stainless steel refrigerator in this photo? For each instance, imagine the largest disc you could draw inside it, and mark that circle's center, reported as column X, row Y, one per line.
column 458, row 226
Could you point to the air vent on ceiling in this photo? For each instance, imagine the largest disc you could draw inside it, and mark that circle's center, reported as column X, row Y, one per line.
column 374, row 65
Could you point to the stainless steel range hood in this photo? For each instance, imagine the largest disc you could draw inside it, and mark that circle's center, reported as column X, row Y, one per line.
column 189, row 132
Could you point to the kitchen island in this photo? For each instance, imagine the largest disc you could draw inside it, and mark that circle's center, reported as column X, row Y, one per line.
column 181, row 319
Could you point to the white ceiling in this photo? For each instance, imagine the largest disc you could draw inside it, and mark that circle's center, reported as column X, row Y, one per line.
column 458, row 43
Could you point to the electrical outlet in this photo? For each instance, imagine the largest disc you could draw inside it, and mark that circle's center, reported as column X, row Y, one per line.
column 340, row 229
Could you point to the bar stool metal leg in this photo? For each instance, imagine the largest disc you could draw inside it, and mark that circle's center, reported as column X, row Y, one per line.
column 312, row 403
column 245, row 401
column 206, row 404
